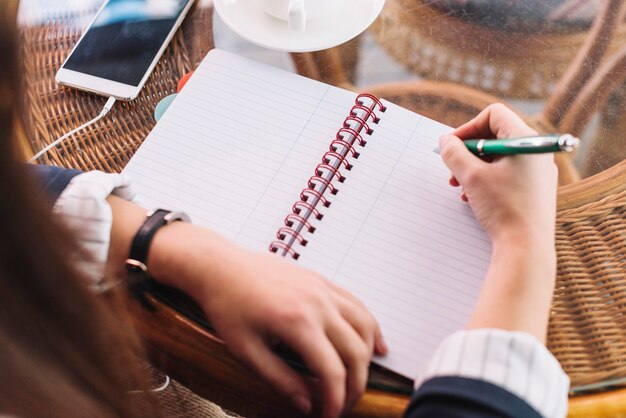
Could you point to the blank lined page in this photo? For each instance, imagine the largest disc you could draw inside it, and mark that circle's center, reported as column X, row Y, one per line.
column 239, row 144
column 400, row 238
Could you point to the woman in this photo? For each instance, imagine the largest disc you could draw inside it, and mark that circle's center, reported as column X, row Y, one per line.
column 254, row 304
column 56, row 354
column 47, row 362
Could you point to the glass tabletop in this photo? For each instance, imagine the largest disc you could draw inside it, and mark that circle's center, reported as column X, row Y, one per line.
column 559, row 63
column 446, row 59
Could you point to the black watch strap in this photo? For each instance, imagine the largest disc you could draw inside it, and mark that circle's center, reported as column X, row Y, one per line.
column 137, row 262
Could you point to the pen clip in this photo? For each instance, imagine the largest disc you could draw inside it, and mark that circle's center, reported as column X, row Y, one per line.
column 534, row 142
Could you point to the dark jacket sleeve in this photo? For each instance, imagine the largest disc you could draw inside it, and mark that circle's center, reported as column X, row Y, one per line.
column 458, row 397
column 53, row 180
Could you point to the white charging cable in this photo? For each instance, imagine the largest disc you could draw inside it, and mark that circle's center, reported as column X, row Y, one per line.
column 107, row 107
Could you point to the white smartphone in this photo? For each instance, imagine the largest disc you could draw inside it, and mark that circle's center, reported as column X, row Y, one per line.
column 122, row 45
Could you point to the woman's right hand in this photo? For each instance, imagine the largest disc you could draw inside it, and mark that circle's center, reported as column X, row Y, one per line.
column 513, row 197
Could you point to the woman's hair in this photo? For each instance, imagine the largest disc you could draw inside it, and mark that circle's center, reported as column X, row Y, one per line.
column 63, row 353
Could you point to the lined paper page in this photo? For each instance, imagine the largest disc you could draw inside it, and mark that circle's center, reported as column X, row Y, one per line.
column 399, row 237
column 237, row 146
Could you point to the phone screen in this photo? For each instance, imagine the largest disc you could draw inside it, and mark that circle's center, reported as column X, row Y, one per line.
column 124, row 39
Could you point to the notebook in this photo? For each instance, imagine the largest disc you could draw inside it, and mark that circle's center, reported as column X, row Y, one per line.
column 345, row 184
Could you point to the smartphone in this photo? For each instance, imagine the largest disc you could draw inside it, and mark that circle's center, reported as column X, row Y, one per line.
column 122, row 45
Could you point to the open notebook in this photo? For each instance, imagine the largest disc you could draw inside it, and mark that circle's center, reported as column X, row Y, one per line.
column 255, row 153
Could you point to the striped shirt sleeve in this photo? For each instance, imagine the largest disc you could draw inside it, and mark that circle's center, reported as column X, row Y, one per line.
column 82, row 206
column 514, row 361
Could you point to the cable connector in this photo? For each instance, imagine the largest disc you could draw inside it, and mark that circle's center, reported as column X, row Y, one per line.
column 106, row 109
column 109, row 105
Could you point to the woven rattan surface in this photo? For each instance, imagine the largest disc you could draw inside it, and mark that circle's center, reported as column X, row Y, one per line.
column 588, row 323
column 177, row 401
column 605, row 153
column 54, row 110
column 442, row 47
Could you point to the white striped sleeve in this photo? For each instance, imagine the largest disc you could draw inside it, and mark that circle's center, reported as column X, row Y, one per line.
column 515, row 361
column 83, row 208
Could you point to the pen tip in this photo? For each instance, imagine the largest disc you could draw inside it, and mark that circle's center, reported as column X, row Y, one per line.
column 436, row 150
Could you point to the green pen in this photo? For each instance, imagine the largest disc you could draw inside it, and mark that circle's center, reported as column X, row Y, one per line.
column 539, row 144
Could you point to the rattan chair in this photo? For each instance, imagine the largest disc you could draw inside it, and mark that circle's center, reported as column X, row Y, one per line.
column 605, row 91
column 440, row 46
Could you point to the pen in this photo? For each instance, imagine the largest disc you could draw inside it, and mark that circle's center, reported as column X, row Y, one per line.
column 527, row 145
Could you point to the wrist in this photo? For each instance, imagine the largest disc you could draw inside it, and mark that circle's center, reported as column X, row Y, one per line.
column 528, row 252
column 526, row 237
column 188, row 257
column 517, row 292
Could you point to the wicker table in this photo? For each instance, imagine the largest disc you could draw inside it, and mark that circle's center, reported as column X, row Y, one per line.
column 588, row 325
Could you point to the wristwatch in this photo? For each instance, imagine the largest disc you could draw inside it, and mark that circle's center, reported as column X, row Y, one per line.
column 137, row 277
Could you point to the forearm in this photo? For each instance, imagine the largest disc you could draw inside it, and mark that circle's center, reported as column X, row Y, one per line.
column 172, row 251
column 504, row 343
column 256, row 301
column 518, row 288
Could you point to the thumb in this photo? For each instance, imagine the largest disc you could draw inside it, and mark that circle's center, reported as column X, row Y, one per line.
column 459, row 160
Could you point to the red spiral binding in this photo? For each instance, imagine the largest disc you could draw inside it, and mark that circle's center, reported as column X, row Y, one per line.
column 283, row 232
column 360, row 120
column 342, row 147
column 327, row 184
column 297, row 209
column 369, row 113
column 340, row 142
column 376, row 100
column 319, row 170
column 318, row 195
column 292, row 219
column 280, row 245
column 341, row 158
column 349, row 131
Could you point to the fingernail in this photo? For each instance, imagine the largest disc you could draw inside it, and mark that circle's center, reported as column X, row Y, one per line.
column 443, row 139
column 382, row 347
column 302, row 403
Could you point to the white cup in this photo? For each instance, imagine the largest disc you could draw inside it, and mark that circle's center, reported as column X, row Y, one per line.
column 296, row 12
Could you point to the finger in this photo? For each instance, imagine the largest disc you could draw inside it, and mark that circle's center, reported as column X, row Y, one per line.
column 256, row 352
column 458, row 158
column 464, row 196
column 357, row 314
column 495, row 121
column 454, row 182
column 324, row 362
column 356, row 356
column 361, row 320
column 380, row 345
